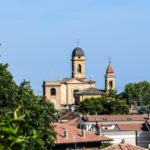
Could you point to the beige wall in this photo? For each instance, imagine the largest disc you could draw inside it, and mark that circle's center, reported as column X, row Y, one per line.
column 64, row 91
column 53, row 98
column 110, row 77
column 113, row 85
column 63, row 94
column 75, row 62
column 72, row 87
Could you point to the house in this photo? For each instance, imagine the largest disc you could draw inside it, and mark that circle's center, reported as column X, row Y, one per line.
column 147, row 123
column 67, row 116
column 133, row 128
column 69, row 137
column 123, row 147
column 89, row 120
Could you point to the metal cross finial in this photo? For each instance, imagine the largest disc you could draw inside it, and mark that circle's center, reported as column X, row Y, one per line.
column 78, row 43
column 109, row 60
column 59, row 77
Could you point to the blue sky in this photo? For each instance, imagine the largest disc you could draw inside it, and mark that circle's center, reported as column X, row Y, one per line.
column 38, row 37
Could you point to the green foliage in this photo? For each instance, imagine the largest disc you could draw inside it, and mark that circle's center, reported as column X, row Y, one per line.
column 16, row 133
column 137, row 93
column 25, row 118
column 8, row 89
column 92, row 106
column 105, row 145
column 145, row 110
column 108, row 103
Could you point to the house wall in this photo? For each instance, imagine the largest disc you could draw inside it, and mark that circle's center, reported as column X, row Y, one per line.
column 143, row 138
column 139, row 138
column 88, row 125
column 118, row 136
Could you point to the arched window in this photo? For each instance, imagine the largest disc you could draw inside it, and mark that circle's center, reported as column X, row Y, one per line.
column 53, row 92
column 79, row 68
column 110, row 84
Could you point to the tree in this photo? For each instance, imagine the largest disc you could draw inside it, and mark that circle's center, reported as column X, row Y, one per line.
column 8, row 89
column 137, row 93
column 108, row 103
column 37, row 112
column 92, row 106
column 144, row 109
column 16, row 133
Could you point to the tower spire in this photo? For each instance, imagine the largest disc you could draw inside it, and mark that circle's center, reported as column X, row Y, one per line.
column 109, row 78
column 78, row 63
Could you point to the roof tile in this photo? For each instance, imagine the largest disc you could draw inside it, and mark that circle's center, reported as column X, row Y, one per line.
column 75, row 135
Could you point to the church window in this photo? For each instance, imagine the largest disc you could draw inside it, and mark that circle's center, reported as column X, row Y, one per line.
column 79, row 68
column 110, row 84
column 53, row 92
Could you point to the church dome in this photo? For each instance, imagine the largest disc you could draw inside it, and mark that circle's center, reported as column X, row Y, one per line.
column 77, row 52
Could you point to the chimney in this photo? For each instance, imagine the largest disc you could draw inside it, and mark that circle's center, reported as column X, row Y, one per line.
column 99, row 131
column 123, row 141
column 87, row 116
column 148, row 115
column 83, row 133
column 66, row 134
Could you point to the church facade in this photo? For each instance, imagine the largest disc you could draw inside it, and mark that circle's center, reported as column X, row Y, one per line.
column 70, row 91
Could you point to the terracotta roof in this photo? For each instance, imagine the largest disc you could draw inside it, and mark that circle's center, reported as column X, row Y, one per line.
column 148, row 121
column 122, row 127
column 69, row 115
column 105, row 128
column 74, row 122
column 68, row 80
column 109, row 69
column 123, row 147
column 75, row 135
column 90, row 91
column 107, row 118
column 131, row 127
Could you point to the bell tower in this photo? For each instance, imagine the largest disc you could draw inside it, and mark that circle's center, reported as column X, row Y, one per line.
column 78, row 63
column 110, row 78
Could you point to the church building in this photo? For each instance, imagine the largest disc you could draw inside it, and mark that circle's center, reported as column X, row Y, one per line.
column 72, row 90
